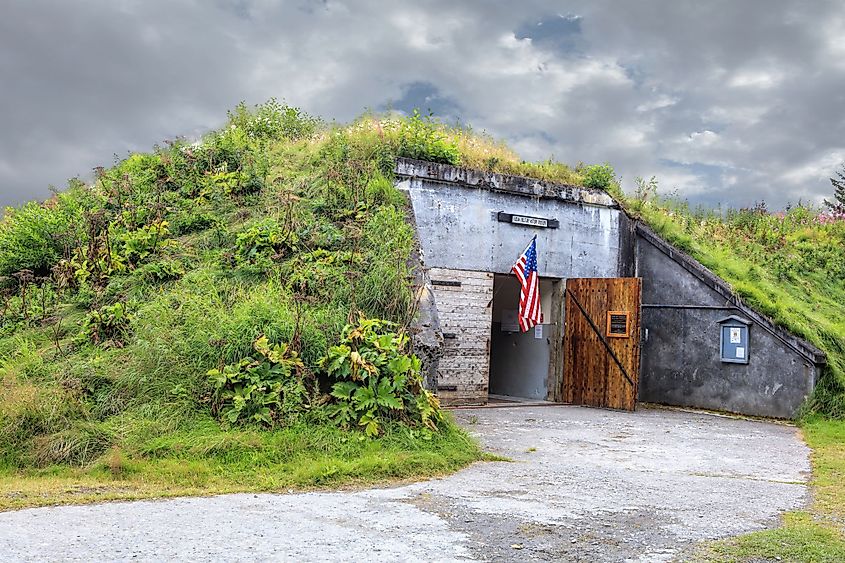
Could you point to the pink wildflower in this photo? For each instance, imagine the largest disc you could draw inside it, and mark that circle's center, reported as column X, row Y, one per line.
column 831, row 217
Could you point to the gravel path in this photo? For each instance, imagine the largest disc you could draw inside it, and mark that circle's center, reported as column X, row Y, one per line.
column 585, row 484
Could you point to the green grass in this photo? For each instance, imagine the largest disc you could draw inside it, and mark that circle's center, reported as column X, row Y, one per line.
column 815, row 535
column 205, row 460
column 800, row 539
column 117, row 298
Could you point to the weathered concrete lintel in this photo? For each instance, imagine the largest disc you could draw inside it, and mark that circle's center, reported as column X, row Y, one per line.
column 693, row 266
column 519, row 185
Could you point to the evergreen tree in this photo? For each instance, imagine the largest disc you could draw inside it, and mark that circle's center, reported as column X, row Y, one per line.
column 838, row 181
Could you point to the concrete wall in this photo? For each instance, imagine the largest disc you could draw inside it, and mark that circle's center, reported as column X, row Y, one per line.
column 457, row 227
column 680, row 360
column 455, row 213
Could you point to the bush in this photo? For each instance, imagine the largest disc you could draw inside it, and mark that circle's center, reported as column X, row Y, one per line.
column 376, row 379
column 135, row 246
column 598, row 176
column 269, row 390
column 109, row 325
column 263, row 243
column 35, row 236
column 273, row 120
column 422, row 138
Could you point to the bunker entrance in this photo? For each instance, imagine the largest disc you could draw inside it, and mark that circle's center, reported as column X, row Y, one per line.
column 521, row 363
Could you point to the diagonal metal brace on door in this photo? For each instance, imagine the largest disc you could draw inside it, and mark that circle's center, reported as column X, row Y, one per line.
column 601, row 337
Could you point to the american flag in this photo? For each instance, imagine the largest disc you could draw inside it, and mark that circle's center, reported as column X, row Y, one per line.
column 525, row 270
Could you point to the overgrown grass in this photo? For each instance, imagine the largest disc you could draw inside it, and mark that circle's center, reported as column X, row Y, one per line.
column 202, row 459
column 790, row 266
column 814, row 535
column 118, row 298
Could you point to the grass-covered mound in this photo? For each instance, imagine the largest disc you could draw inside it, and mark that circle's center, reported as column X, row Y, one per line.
column 789, row 266
column 228, row 314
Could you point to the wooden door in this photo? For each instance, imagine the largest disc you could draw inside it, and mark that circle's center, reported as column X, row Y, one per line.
column 601, row 343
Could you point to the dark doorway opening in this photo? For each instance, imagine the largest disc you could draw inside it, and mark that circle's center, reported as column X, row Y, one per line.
column 522, row 364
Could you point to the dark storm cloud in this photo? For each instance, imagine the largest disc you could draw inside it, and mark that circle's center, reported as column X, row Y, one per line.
column 729, row 102
column 563, row 32
column 425, row 97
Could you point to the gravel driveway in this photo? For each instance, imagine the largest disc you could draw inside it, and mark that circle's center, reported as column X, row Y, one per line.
column 585, row 484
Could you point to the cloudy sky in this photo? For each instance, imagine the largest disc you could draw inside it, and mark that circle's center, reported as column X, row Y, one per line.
column 726, row 102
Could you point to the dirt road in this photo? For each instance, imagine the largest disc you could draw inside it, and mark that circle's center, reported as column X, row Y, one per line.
column 584, row 484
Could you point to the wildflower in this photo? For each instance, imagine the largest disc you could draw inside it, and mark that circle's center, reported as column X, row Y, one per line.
column 831, row 217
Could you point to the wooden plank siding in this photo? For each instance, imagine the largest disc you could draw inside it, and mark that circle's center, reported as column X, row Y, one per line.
column 591, row 376
column 465, row 313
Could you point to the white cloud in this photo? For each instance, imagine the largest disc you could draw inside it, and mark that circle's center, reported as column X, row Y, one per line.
column 660, row 101
column 815, row 170
column 755, row 78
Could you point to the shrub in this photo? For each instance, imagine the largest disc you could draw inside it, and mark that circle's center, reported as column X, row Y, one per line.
column 109, row 325
column 598, row 176
column 273, row 120
column 422, row 138
column 35, row 236
column 264, row 241
column 137, row 245
column 268, row 390
column 376, row 379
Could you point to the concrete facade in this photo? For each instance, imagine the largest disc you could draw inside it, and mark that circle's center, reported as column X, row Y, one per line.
column 458, row 228
column 455, row 214
column 463, row 244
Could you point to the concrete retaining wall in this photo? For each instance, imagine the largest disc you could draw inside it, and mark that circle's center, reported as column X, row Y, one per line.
column 680, row 360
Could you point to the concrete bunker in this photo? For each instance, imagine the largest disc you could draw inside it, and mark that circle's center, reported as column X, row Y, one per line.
column 471, row 225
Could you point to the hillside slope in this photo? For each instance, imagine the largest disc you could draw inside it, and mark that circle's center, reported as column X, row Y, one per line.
column 208, row 308
column 789, row 266
column 205, row 315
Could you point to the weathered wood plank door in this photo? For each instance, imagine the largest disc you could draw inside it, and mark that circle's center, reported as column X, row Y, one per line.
column 601, row 344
